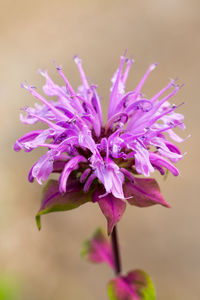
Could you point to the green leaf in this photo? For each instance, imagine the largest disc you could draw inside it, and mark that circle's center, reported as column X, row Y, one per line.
column 136, row 285
column 54, row 201
column 9, row 288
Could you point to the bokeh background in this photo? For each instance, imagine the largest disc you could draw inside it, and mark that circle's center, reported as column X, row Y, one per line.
column 47, row 265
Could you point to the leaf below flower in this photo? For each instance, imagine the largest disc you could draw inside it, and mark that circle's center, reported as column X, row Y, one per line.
column 98, row 249
column 136, row 285
column 144, row 192
column 112, row 208
column 53, row 200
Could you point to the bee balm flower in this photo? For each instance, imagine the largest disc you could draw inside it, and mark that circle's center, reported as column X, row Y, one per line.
column 97, row 161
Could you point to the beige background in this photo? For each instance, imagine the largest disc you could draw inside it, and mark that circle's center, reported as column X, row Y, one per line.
column 165, row 242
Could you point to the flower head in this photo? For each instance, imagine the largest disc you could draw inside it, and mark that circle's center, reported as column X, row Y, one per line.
column 134, row 141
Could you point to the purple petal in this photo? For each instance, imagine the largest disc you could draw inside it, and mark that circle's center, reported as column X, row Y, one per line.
column 85, row 174
column 158, row 160
column 115, row 92
column 30, row 175
column 50, row 88
column 97, row 104
column 26, row 138
column 78, row 61
column 38, row 140
column 68, row 85
column 69, row 167
column 89, row 182
column 161, row 92
column 110, row 175
column 123, row 102
column 144, row 104
column 129, row 63
column 56, row 112
column 169, row 151
column 144, row 78
column 120, row 117
column 142, row 162
column 175, row 136
column 43, row 168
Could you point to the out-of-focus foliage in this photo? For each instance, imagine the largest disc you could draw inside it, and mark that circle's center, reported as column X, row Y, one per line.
column 9, row 288
column 136, row 285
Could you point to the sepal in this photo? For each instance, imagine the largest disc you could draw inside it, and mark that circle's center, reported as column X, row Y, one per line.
column 112, row 208
column 53, row 200
column 144, row 192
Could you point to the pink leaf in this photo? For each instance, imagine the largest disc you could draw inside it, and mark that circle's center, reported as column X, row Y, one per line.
column 53, row 200
column 112, row 208
column 136, row 285
column 98, row 249
column 144, row 192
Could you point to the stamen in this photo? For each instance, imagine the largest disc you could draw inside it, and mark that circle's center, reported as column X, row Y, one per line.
column 128, row 66
column 123, row 101
column 48, row 122
column 163, row 114
column 68, row 85
column 162, row 101
column 172, row 83
column 115, row 88
column 141, row 83
column 78, row 61
column 119, row 117
column 140, row 104
column 45, row 102
column 97, row 104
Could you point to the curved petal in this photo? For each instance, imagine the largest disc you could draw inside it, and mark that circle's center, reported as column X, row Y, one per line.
column 71, row 165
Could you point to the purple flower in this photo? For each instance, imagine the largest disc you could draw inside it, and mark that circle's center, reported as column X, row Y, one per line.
column 105, row 158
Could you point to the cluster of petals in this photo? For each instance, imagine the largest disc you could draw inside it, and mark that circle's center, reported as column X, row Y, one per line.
column 136, row 139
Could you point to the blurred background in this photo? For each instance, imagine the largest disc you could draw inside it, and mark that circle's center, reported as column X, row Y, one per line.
column 46, row 265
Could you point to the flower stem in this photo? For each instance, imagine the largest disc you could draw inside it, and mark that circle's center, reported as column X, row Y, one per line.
column 115, row 247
